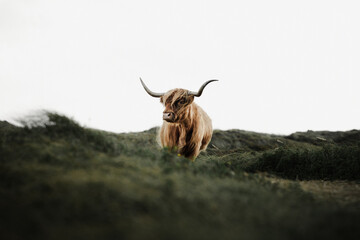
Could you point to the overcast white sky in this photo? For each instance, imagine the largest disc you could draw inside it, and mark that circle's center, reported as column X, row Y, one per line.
column 283, row 66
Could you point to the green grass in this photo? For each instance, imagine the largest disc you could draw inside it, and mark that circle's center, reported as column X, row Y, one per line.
column 327, row 163
column 59, row 180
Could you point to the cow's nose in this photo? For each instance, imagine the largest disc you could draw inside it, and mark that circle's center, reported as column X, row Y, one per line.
column 168, row 116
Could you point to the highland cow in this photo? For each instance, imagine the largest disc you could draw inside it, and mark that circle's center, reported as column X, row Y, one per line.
column 186, row 128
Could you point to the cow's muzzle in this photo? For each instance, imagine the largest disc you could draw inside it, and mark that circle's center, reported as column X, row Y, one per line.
column 169, row 116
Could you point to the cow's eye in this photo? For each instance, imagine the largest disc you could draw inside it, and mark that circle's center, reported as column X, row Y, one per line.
column 180, row 102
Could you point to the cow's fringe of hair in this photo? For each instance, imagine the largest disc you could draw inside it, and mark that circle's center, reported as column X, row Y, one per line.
column 174, row 95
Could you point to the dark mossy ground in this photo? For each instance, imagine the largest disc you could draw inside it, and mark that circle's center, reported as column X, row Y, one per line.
column 59, row 180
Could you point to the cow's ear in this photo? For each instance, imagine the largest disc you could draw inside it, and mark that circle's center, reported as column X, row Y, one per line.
column 190, row 99
column 161, row 99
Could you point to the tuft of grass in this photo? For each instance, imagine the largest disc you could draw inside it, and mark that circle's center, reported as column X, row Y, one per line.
column 325, row 137
column 328, row 163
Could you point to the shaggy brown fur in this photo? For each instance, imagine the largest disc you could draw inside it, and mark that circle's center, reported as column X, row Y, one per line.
column 191, row 130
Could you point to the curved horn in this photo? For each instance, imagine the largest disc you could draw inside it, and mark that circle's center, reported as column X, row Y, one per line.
column 151, row 93
column 198, row 93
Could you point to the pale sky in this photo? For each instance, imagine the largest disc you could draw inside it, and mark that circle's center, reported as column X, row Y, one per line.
column 283, row 66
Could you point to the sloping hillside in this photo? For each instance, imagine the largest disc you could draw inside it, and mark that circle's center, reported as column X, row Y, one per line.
column 59, row 180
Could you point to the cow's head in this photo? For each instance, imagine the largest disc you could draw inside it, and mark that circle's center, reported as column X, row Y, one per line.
column 176, row 101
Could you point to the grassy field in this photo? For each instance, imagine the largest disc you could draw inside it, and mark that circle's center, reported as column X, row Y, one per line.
column 59, row 180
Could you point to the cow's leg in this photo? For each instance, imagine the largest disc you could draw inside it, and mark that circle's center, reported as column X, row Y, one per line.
column 205, row 142
column 191, row 150
column 169, row 136
column 195, row 152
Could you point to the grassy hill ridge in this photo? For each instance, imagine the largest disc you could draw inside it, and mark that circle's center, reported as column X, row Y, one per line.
column 59, row 180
